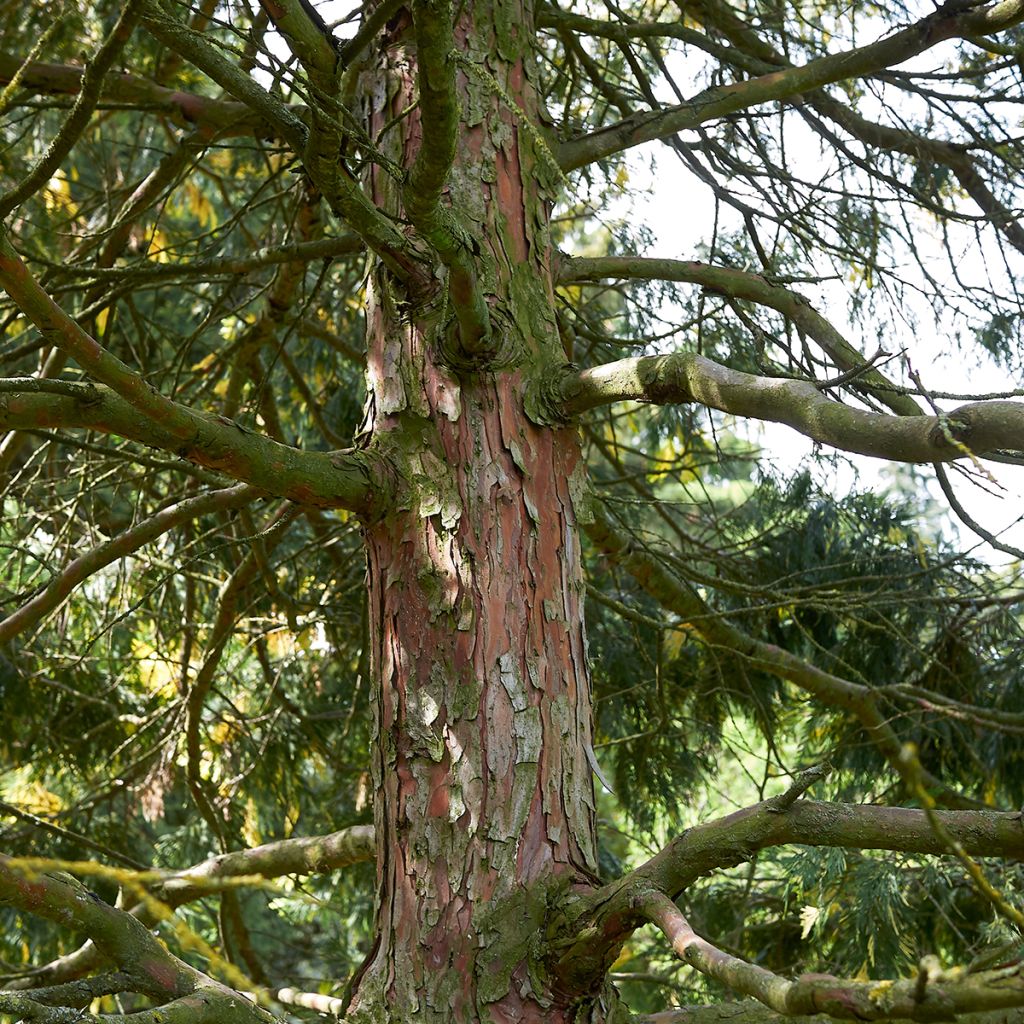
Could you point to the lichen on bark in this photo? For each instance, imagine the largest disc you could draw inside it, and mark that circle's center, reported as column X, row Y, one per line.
column 484, row 793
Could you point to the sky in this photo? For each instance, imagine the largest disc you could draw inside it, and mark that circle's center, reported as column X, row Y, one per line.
column 680, row 213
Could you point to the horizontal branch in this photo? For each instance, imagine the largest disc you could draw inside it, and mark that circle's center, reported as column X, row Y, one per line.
column 932, row 996
column 183, row 108
column 741, row 284
column 609, row 914
column 305, row 252
column 735, row 838
column 750, row 1011
column 307, row 855
column 787, row 83
column 352, row 479
column 59, row 589
column 972, row 429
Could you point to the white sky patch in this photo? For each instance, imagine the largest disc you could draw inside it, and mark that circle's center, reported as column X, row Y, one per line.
column 680, row 212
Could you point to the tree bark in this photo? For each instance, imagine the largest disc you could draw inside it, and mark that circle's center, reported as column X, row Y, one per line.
column 484, row 799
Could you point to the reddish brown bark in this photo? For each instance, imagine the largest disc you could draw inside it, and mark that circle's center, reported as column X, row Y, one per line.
column 485, row 807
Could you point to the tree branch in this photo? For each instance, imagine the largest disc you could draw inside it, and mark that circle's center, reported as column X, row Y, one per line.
column 302, row 856
column 609, row 915
column 421, row 195
column 234, row 266
column 144, row 960
column 342, row 479
column 226, row 116
column 78, row 119
column 319, row 147
column 57, row 591
column 972, row 429
column 749, row 1011
column 229, row 76
column 741, row 284
column 933, row 995
column 833, row 691
column 789, row 82
column 309, row 855
column 922, row 149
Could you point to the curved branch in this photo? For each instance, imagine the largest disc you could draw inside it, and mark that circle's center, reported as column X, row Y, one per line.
column 57, row 591
column 921, row 148
column 609, row 915
column 972, row 429
column 148, row 966
column 733, row 839
column 933, row 995
column 789, row 82
column 740, row 284
column 136, row 410
column 750, row 1011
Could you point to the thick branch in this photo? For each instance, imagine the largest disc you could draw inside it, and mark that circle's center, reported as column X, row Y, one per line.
column 741, row 284
column 341, row 479
column 735, row 838
column 312, row 855
column 790, row 82
column 609, row 914
column 750, row 1011
column 933, row 995
column 118, row 936
column 972, row 429
column 307, row 37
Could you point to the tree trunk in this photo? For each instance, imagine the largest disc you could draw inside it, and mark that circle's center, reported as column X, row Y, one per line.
column 484, row 797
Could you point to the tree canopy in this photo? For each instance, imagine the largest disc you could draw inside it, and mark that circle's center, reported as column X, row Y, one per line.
column 340, row 374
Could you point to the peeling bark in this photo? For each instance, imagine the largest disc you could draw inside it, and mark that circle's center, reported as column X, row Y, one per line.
column 485, row 805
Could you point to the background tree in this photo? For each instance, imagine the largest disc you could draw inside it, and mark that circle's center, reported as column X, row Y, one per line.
column 336, row 385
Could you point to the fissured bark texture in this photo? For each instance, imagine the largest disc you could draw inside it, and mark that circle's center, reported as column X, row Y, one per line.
column 482, row 764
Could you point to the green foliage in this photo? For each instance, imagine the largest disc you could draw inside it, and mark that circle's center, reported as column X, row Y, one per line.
column 95, row 699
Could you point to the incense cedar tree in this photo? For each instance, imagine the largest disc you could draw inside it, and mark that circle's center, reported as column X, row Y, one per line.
column 339, row 378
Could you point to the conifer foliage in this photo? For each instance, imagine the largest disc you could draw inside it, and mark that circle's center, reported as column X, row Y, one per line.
column 409, row 611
